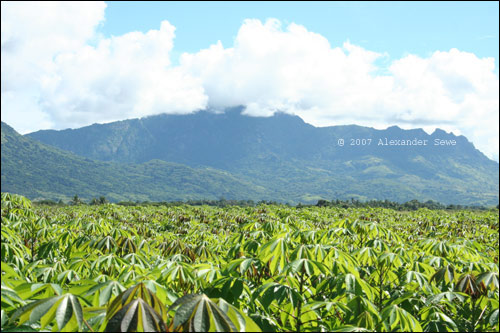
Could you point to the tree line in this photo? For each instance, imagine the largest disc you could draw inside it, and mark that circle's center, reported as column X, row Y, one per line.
column 409, row 205
column 352, row 203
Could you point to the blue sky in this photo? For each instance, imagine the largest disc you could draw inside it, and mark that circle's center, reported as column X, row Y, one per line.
column 412, row 64
column 397, row 28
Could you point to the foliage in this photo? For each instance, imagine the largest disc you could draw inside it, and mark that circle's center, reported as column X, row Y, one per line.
column 208, row 155
column 40, row 171
column 409, row 205
column 263, row 268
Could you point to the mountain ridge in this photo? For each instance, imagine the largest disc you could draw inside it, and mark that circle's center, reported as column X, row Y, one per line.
column 295, row 161
column 39, row 171
column 116, row 147
column 45, row 135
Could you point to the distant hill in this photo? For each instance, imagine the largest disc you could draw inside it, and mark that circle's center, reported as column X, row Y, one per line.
column 289, row 160
column 40, row 171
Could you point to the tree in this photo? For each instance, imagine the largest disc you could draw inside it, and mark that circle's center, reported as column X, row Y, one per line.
column 76, row 200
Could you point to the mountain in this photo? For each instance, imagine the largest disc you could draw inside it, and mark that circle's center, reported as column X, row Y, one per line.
column 40, row 171
column 295, row 161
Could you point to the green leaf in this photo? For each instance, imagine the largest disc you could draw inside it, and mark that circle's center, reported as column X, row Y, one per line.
column 202, row 318
column 115, row 322
column 490, row 279
column 77, row 310
column 49, row 316
column 111, row 287
column 446, row 273
column 10, row 296
column 242, row 322
column 64, row 313
column 493, row 320
column 138, row 291
column 136, row 315
column 199, row 313
column 130, row 317
column 5, row 318
column 399, row 319
column 9, row 271
column 469, row 285
column 221, row 320
column 61, row 308
column 41, row 309
column 150, row 320
column 187, row 305
column 275, row 252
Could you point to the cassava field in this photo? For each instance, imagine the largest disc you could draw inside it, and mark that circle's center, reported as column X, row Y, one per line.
column 264, row 268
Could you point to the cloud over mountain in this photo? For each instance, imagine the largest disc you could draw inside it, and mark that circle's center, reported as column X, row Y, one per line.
column 58, row 72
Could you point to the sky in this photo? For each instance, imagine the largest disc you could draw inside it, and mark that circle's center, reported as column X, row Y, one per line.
column 413, row 64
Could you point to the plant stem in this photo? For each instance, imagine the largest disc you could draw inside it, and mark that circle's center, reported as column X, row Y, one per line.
column 480, row 316
column 90, row 328
column 473, row 308
column 381, row 294
column 288, row 313
column 299, row 305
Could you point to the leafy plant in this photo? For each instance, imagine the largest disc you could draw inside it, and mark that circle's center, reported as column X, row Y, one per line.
column 265, row 268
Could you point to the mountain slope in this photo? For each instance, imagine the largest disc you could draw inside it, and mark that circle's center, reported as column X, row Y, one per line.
column 39, row 171
column 296, row 161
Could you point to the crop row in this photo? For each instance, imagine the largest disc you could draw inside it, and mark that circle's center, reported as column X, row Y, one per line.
column 269, row 268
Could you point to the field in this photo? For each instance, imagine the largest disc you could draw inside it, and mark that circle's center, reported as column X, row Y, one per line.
column 263, row 268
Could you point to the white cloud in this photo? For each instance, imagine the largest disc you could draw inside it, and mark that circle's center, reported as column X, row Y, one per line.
column 452, row 90
column 33, row 33
column 297, row 71
column 122, row 77
column 57, row 72
column 71, row 83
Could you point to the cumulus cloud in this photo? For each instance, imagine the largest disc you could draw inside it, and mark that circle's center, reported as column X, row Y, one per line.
column 32, row 34
column 72, row 83
column 58, row 72
column 122, row 77
column 453, row 90
column 297, row 71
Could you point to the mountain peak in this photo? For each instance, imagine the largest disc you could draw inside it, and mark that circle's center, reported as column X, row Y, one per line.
column 394, row 127
column 439, row 131
column 282, row 153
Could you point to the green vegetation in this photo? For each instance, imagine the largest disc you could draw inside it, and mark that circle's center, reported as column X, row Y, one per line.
column 222, row 166
column 40, row 171
column 258, row 268
column 409, row 205
column 353, row 203
column 284, row 159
